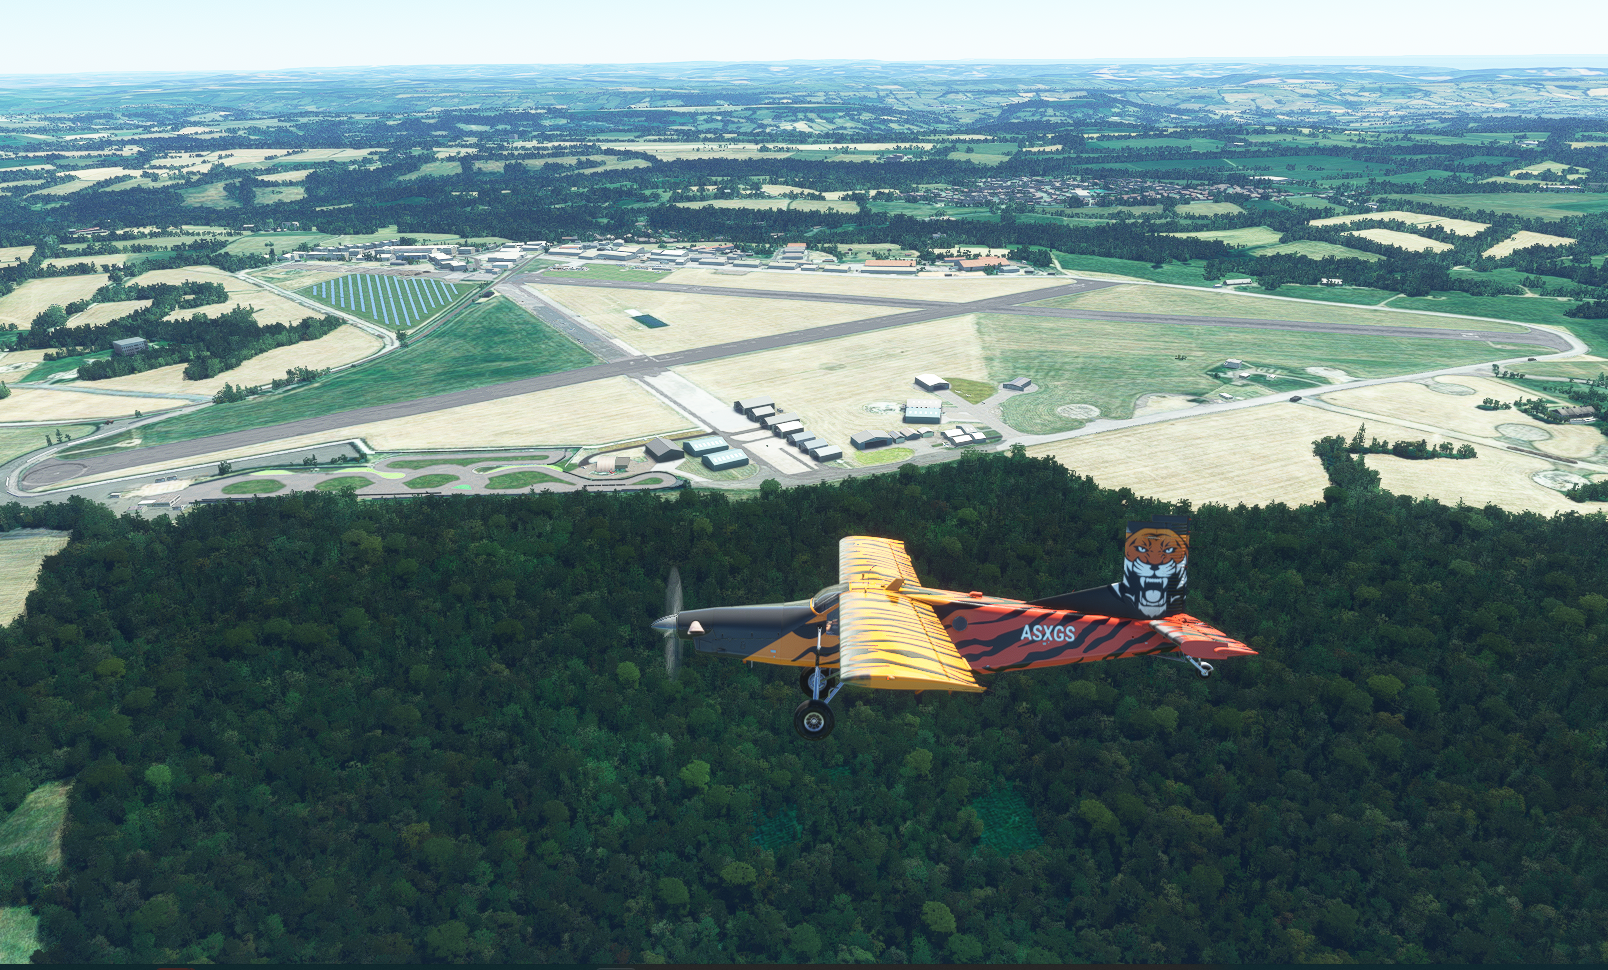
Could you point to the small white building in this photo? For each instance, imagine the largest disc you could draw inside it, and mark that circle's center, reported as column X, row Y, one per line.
column 931, row 382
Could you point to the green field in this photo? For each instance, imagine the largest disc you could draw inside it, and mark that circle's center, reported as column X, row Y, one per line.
column 1246, row 238
column 695, row 466
column 255, row 486
column 1314, row 249
column 416, row 463
column 883, row 456
column 1526, row 309
column 1535, row 205
column 1188, row 274
column 260, row 242
column 1135, row 359
column 1355, row 295
column 345, row 483
column 1209, row 209
column 46, row 368
column 970, row 391
column 518, row 480
column 430, row 481
column 597, row 271
column 15, row 442
column 1310, row 202
column 490, row 343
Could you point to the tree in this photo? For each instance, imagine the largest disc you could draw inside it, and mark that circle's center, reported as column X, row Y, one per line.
column 225, row 467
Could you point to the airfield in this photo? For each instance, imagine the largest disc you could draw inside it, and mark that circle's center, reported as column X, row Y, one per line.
column 1128, row 386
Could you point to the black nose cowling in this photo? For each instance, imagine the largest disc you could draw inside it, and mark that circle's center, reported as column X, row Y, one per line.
column 731, row 625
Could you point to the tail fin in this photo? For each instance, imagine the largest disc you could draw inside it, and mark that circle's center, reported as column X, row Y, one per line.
column 1155, row 575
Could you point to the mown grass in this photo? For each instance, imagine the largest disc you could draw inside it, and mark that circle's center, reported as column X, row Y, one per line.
column 970, row 391
column 518, row 480
column 1187, row 274
column 599, row 272
column 15, row 442
column 416, row 463
column 490, row 343
column 345, row 483
column 883, row 456
column 256, row 486
column 430, row 481
column 1354, row 295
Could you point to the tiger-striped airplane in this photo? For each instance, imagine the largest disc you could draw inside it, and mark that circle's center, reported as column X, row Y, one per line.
column 879, row 627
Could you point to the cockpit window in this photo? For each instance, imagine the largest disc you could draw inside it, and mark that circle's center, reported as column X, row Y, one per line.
column 826, row 598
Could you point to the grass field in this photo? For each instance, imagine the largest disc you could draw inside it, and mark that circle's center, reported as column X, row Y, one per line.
column 15, row 254
column 953, row 288
column 523, row 479
column 883, row 456
column 395, row 302
column 21, row 553
column 284, row 242
column 1420, row 405
column 1310, row 202
column 1209, row 209
column 33, row 297
column 1402, row 240
column 1314, row 249
column 972, row 391
column 1524, row 239
column 694, row 467
column 101, row 313
column 1534, row 205
column 346, row 344
column 696, row 319
column 1136, row 359
column 1462, row 227
column 828, row 384
column 1246, row 238
column 1524, row 309
column 600, row 271
column 19, row 934
column 30, row 849
column 32, row 404
column 430, row 481
column 256, row 486
column 1354, row 295
column 489, row 343
column 1157, row 299
column 1190, row 274
column 15, row 442
column 416, row 463
column 345, row 483
column 109, row 259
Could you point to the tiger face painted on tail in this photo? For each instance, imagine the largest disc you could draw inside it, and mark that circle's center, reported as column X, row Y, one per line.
column 1155, row 569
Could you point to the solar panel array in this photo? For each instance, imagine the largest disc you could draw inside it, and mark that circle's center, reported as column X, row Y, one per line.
column 397, row 302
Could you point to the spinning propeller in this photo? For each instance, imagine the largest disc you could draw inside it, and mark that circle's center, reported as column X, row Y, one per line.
column 672, row 606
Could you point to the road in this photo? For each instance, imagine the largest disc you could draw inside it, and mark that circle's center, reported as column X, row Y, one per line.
column 44, row 469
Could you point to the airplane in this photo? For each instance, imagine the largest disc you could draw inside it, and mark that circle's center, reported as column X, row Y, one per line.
column 879, row 627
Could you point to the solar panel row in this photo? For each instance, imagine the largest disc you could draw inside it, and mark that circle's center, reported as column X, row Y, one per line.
column 391, row 300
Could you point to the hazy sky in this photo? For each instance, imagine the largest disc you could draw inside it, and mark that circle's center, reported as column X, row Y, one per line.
column 100, row 35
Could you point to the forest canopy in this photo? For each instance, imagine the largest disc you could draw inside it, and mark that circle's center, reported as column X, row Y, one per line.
column 313, row 729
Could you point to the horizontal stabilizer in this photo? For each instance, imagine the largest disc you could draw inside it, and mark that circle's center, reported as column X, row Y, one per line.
column 1198, row 639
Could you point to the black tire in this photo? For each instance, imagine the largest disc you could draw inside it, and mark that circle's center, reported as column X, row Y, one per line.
column 813, row 720
column 804, row 681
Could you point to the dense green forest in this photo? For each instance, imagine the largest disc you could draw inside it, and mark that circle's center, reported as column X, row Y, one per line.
column 313, row 729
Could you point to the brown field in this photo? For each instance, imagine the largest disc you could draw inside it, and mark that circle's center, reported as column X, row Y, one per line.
column 830, row 196
column 809, row 205
column 1463, row 227
column 63, row 188
column 15, row 254
column 1220, row 303
column 828, row 383
column 21, row 553
column 99, row 313
column 1586, row 368
column 33, row 404
column 1402, row 240
column 110, row 259
column 97, row 174
column 345, row 345
column 1524, row 239
column 27, row 301
column 1217, row 462
column 295, row 176
column 271, row 307
column 956, row 289
column 1417, row 404
column 696, row 320
column 774, row 204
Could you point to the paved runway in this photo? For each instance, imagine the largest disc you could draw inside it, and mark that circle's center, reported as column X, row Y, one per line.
column 919, row 311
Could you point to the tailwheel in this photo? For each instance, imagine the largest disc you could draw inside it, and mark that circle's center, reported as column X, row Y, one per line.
column 813, row 720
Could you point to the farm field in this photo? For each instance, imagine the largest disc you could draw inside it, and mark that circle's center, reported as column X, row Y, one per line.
column 1105, row 267
column 948, row 289
column 1354, row 295
column 1524, row 309
column 1401, row 240
column 1496, row 477
column 1463, row 227
column 489, row 343
column 109, row 259
column 21, row 553
column 99, row 313
column 1310, row 202
column 1418, row 403
column 395, row 302
column 343, row 346
column 33, row 404
column 1136, row 359
column 209, row 195
column 15, row 254
column 1316, row 249
column 830, row 383
column 1533, row 205
column 1158, row 299
column 1243, row 238
column 270, row 306
column 283, row 242
column 30, row 299
column 1524, row 239
column 698, row 320
column 1209, row 209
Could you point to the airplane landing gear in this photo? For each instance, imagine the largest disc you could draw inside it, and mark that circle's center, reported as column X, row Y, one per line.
column 1201, row 667
column 813, row 720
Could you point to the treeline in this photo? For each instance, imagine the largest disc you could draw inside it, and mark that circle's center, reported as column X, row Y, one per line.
column 208, row 346
column 50, row 326
column 311, row 729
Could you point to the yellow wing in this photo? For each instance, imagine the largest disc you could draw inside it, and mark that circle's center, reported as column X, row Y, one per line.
column 874, row 560
column 890, row 641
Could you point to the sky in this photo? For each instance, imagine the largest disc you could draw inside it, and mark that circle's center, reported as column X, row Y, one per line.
column 86, row 36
